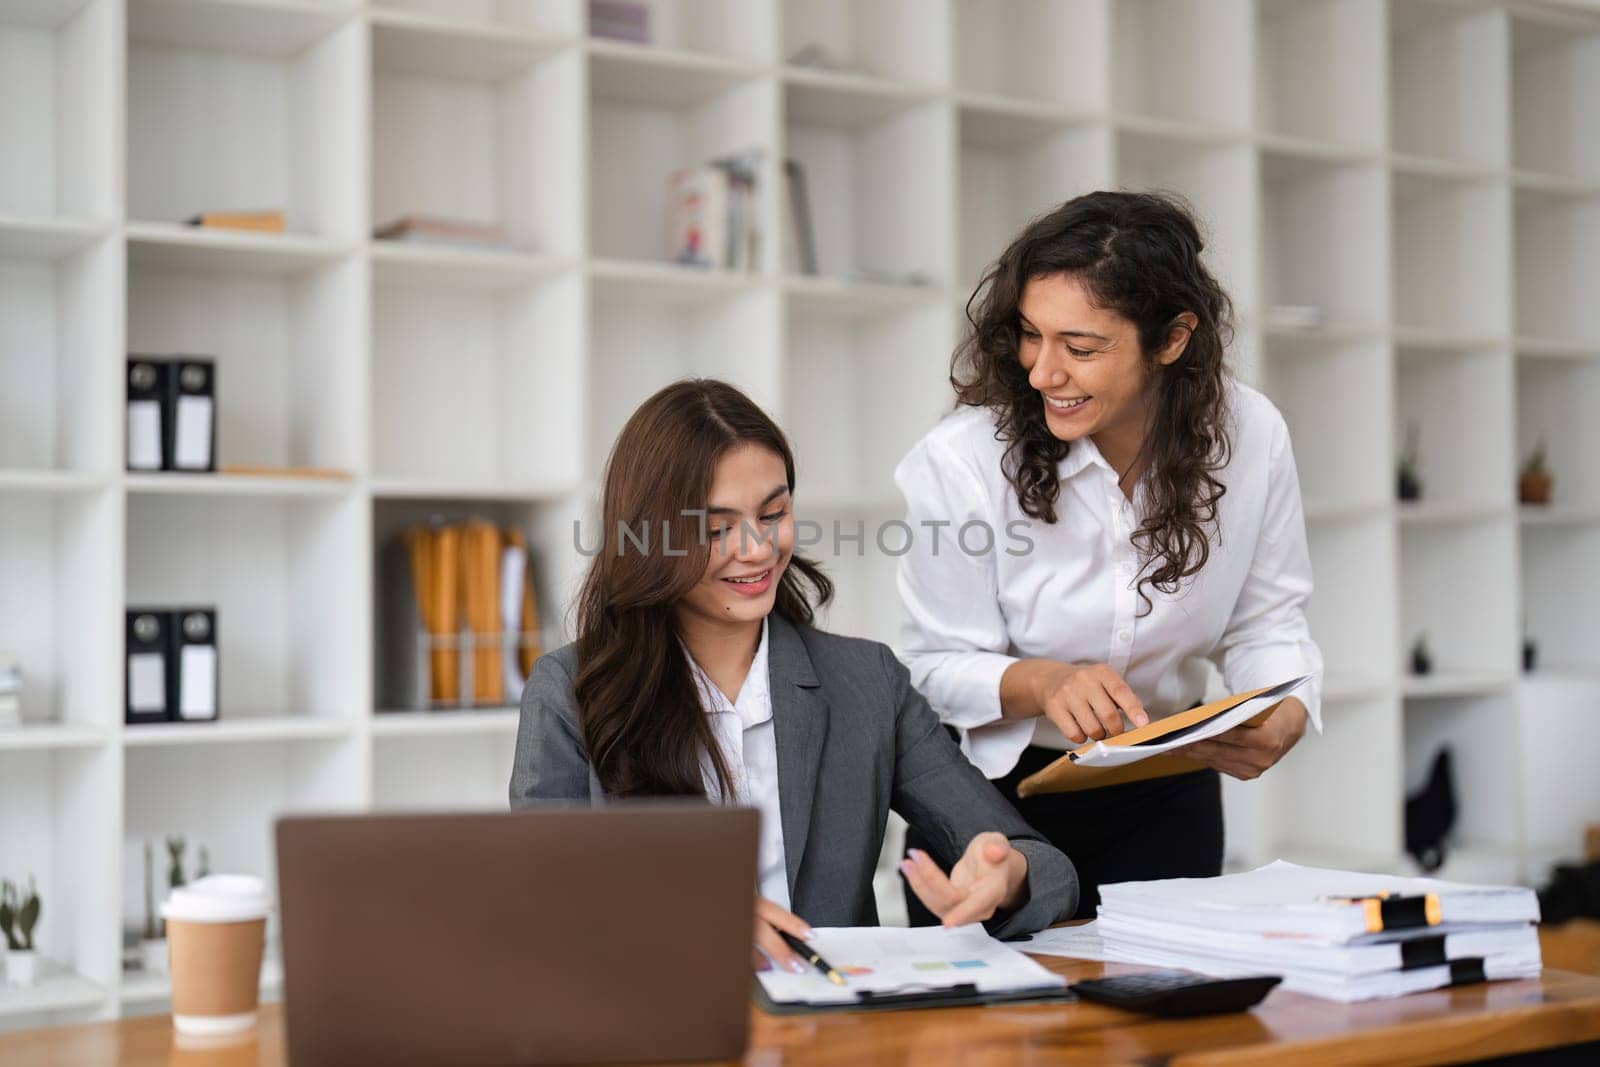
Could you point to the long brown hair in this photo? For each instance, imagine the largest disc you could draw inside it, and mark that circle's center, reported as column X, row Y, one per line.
column 1137, row 254
column 643, row 725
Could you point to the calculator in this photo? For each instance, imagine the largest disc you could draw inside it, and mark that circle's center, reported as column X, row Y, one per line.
column 1177, row 993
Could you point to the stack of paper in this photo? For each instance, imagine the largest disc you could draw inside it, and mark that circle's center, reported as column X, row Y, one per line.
column 1335, row 934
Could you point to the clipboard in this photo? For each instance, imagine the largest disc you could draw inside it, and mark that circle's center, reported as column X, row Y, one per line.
column 963, row 995
column 1066, row 776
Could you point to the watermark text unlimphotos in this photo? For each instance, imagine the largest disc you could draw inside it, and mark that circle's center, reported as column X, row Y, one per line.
column 893, row 537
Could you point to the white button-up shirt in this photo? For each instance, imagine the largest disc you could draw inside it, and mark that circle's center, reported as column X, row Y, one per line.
column 744, row 732
column 1069, row 592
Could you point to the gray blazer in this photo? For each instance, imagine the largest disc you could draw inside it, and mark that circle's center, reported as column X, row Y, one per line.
column 854, row 740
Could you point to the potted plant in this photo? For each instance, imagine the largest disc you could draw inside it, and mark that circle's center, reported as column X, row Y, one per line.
column 19, row 914
column 1421, row 657
column 1408, row 477
column 153, row 946
column 1534, row 486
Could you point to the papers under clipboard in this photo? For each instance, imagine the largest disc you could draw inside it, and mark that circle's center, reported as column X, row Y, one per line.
column 1152, row 751
column 896, row 967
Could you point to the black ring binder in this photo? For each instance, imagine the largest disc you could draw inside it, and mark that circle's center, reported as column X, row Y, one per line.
column 1422, row 952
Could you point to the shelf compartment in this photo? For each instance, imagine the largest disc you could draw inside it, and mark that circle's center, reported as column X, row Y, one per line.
column 1555, row 75
column 289, row 604
column 1154, row 73
column 1319, row 388
column 287, row 351
column 1216, row 180
column 1314, row 60
column 1561, row 596
column 1488, row 803
column 1448, row 69
column 60, row 377
column 1460, row 408
column 1025, row 50
column 58, row 102
column 270, row 117
column 467, row 137
column 225, row 797
column 59, row 576
column 1324, row 228
column 1556, row 402
column 1354, row 563
column 731, row 29
column 1015, row 170
column 555, row 545
column 895, row 40
column 478, row 388
column 52, row 806
column 1559, row 738
column 1335, row 792
column 872, row 189
column 1451, row 253
column 640, row 134
column 643, row 338
column 838, row 368
column 1471, row 626
column 1557, row 261
column 405, row 770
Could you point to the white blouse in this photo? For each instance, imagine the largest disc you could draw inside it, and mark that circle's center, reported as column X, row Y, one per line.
column 749, row 746
column 1068, row 591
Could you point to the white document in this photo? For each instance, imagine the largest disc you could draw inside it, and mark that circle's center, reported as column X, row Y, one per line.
column 147, row 682
column 1072, row 942
column 1104, row 755
column 889, row 960
column 192, row 448
column 197, row 689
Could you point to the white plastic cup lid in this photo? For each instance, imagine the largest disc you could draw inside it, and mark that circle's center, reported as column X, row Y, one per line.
column 218, row 898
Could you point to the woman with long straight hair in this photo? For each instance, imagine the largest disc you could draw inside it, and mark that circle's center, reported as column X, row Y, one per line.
column 697, row 672
column 1096, row 420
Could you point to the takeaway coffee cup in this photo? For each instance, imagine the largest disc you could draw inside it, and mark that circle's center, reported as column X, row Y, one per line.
column 216, row 931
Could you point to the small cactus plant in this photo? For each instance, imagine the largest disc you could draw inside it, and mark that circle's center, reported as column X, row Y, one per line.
column 19, row 914
column 175, row 848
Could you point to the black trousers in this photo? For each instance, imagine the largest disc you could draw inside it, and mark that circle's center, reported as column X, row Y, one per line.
column 1158, row 828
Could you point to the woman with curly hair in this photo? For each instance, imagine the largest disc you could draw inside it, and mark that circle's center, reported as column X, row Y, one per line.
column 1149, row 519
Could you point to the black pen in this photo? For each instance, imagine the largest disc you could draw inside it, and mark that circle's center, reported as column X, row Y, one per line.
column 810, row 956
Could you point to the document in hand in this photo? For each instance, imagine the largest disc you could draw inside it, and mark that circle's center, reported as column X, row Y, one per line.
column 1153, row 748
column 887, row 966
column 1340, row 935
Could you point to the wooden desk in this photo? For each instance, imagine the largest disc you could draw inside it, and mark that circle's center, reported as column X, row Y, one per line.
column 1496, row 1019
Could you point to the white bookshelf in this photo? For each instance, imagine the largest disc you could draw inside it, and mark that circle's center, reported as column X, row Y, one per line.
column 1426, row 173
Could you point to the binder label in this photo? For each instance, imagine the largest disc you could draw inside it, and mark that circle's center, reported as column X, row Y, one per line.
column 193, row 446
column 197, row 697
column 144, row 435
column 147, row 682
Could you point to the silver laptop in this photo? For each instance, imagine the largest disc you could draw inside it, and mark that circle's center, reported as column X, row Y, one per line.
column 528, row 937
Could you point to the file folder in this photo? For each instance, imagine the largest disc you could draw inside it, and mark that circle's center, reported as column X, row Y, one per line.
column 147, row 667
column 149, row 411
column 194, row 641
column 192, row 429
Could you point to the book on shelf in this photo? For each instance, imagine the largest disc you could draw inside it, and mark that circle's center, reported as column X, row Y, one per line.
column 802, row 236
column 620, row 20
column 433, row 229
column 714, row 214
column 258, row 221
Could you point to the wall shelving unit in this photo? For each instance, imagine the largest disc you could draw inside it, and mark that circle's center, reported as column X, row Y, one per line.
column 1426, row 173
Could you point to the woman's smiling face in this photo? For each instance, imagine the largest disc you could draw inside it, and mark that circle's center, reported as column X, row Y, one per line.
column 1085, row 361
column 751, row 528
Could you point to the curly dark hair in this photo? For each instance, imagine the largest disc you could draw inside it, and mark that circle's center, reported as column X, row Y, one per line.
column 1137, row 254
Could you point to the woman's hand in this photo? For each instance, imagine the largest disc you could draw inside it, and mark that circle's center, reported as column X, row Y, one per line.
column 991, row 875
column 1087, row 702
column 1245, row 751
column 770, row 950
